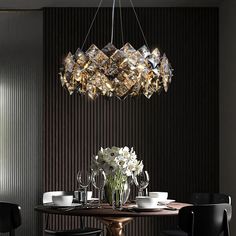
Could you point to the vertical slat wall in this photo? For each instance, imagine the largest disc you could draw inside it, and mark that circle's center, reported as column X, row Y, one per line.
column 176, row 134
column 21, row 119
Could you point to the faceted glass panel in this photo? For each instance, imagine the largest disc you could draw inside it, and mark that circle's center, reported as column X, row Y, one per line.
column 92, row 51
column 135, row 57
column 121, row 90
column 100, row 58
column 128, row 49
column 118, row 56
column 69, row 62
column 144, row 51
column 92, row 68
column 109, row 49
column 63, row 79
column 80, row 57
column 156, row 53
column 136, row 89
column 110, row 68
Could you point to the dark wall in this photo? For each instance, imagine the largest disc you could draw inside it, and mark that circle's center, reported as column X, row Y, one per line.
column 176, row 134
column 227, row 102
column 21, row 103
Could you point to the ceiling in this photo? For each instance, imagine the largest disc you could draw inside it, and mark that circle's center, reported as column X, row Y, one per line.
column 37, row 4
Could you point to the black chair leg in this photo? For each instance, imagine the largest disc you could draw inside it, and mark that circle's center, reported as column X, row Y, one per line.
column 47, row 221
column 12, row 233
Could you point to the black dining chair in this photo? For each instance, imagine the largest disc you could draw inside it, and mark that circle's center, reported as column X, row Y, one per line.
column 209, row 198
column 205, row 220
column 10, row 217
column 82, row 231
column 201, row 199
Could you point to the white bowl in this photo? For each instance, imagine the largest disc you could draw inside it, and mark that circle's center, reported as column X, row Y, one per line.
column 161, row 196
column 63, row 200
column 146, row 202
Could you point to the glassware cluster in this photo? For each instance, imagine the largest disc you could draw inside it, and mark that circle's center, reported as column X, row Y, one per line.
column 98, row 180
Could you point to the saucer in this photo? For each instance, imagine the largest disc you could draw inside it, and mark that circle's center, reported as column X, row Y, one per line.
column 51, row 204
column 167, row 201
column 93, row 199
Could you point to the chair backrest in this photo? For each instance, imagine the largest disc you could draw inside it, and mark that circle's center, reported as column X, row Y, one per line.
column 210, row 198
column 10, row 216
column 47, row 196
column 205, row 220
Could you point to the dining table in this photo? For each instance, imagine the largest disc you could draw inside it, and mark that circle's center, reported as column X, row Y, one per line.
column 114, row 220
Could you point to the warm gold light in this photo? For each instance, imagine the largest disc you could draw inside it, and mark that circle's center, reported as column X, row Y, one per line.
column 116, row 72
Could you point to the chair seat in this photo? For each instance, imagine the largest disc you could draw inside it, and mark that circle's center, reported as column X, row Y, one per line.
column 75, row 232
column 175, row 232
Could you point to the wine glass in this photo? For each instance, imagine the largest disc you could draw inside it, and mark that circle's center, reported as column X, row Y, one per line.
column 141, row 181
column 84, row 179
column 99, row 181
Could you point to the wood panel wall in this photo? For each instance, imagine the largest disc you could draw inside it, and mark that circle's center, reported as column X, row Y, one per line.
column 176, row 134
column 21, row 116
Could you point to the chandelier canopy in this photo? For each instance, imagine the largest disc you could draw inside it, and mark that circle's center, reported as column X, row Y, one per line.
column 116, row 72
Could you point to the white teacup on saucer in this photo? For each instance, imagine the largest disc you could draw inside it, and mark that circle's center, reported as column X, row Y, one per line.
column 146, row 202
column 161, row 196
column 62, row 200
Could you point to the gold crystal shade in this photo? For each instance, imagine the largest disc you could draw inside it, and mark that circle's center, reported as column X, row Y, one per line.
column 116, row 72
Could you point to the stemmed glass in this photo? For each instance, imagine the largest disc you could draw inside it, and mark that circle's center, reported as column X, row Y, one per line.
column 99, row 181
column 141, row 181
column 84, row 179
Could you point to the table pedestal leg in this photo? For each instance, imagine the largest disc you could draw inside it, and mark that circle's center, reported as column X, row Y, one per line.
column 115, row 225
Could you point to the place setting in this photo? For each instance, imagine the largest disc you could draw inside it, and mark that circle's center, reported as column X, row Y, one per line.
column 156, row 201
column 112, row 174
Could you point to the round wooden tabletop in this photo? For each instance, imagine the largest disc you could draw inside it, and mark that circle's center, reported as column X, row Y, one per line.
column 107, row 211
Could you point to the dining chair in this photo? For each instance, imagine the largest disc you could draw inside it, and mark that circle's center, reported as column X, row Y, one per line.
column 10, row 217
column 82, row 231
column 205, row 220
column 209, row 198
column 200, row 199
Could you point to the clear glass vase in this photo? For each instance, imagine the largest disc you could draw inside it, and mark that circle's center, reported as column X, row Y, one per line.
column 117, row 199
column 117, row 190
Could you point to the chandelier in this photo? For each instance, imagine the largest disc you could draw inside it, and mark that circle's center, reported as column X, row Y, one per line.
column 116, row 72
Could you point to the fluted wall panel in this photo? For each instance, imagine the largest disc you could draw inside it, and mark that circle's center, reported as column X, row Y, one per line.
column 175, row 134
column 21, row 103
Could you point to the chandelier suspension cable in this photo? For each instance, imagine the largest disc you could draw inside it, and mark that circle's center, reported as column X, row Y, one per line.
column 121, row 23
column 112, row 71
column 112, row 20
column 140, row 27
column 91, row 25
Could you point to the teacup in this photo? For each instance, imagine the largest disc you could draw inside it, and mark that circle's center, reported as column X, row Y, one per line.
column 146, row 202
column 161, row 196
column 62, row 200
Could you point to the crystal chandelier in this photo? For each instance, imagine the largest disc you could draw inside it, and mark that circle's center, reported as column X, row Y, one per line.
column 116, row 72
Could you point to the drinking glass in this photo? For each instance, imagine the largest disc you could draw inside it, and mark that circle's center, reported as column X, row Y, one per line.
column 84, row 179
column 141, row 181
column 99, row 181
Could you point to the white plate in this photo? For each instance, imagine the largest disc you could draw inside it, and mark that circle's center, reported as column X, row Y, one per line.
column 167, row 201
column 51, row 204
column 93, row 199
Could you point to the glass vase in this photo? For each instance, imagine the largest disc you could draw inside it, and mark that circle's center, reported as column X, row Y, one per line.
column 117, row 199
column 117, row 190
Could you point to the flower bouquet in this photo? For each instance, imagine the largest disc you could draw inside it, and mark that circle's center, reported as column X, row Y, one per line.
column 119, row 164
